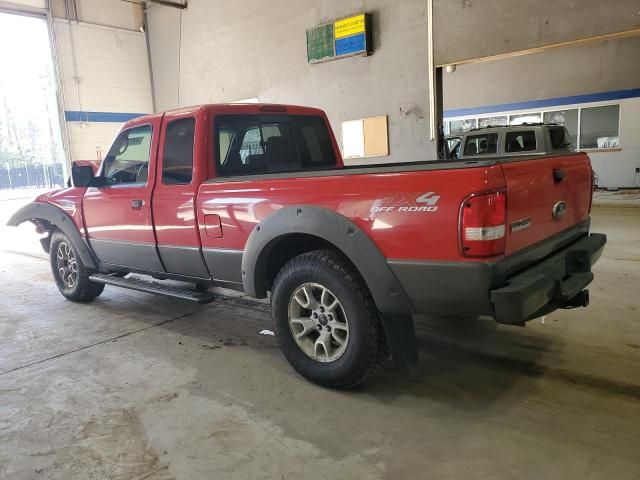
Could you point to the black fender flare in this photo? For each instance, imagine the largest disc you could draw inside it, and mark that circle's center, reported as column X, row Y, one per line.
column 61, row 220
column 339, row 231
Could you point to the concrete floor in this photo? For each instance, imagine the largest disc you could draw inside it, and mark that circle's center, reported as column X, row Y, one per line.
column 135, row 386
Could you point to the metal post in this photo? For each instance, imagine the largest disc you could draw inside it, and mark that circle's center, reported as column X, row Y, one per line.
column 26, row 170
column 64, row 130
column 432, row 84
column 9, row 175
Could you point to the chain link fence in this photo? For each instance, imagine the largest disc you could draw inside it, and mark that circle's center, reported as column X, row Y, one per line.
column 35, row 176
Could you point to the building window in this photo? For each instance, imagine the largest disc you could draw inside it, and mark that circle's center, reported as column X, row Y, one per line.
column 459, row 126
column 501, row 121
column 522, row 118
column 566, row 118
column 599, row 127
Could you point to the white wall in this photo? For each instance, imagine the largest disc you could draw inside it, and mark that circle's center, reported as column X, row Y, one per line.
column 103, row 69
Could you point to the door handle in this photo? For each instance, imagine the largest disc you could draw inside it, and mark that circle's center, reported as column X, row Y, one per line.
column 136, row 204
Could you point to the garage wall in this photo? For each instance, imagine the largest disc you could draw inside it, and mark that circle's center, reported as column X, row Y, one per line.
column 466, row 29
column 597, row 67
column 256, row 49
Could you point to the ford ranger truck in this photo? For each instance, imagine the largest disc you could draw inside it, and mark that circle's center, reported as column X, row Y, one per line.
column 256, row 198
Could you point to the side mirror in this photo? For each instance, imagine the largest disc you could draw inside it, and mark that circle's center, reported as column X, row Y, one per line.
column 81, row 175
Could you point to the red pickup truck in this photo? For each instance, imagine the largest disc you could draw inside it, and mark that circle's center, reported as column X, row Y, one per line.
column 257, row 198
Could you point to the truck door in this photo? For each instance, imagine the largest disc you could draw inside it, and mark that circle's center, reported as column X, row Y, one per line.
column 117, row 214
column 177, row 180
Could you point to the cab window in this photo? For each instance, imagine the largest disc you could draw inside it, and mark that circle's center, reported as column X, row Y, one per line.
column 560, row 138
column 177, row 157
column 482, row 144
column 524, row 141
column 252, row 144
column 128, row 159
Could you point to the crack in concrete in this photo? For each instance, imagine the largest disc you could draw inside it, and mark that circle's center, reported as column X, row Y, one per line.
column 102, row 342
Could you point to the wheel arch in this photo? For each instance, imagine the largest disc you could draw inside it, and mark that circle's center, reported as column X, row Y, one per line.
column 291, row 231
column 46, row 214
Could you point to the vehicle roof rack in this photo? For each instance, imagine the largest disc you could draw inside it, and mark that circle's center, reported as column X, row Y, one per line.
column 538, row 124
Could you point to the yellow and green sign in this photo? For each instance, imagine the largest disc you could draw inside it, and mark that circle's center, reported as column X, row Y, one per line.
column 341, row 38
column 349, row 26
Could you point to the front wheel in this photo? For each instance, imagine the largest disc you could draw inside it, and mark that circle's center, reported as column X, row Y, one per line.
column 70, row 274
column 326, row 321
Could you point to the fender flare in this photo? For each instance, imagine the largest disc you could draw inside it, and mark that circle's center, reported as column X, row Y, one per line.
column 57, row 217
column 339, row 231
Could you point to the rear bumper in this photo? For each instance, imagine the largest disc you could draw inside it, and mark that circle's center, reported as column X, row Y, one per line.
column 506, row 290
column 551, row 284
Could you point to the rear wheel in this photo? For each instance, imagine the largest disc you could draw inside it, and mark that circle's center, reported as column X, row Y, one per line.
column 70, row 274
column 326, row 321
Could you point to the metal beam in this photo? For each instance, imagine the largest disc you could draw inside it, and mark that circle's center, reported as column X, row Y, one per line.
column 167, row 3
column 164, row 3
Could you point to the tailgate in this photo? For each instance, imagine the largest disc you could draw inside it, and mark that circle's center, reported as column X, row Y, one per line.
column 545, row 196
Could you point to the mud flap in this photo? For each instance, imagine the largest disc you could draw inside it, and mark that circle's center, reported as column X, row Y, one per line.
column 401, row 339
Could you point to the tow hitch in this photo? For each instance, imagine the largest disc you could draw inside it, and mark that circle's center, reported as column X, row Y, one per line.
column 580, row 300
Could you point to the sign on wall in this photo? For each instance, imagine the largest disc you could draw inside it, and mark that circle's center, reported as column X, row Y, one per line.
column 341, row 38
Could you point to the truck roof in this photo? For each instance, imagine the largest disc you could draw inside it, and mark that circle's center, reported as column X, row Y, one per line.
column 233, row 108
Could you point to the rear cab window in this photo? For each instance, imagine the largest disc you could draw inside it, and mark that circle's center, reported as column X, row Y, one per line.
column 259, row 144
column 481, row 144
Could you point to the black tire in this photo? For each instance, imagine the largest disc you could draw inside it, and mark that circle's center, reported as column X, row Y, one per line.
column 365, row 348
column 81, row 289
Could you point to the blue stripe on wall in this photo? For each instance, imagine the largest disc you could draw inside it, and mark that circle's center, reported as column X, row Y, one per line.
column 548, row 102
column 107, row 117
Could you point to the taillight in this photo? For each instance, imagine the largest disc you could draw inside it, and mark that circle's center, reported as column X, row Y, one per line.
column 483, row 219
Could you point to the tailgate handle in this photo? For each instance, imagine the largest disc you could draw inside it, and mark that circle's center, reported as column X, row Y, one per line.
column 558, row 175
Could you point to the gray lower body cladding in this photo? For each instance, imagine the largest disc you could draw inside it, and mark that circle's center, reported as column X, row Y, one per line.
column 447, row 288
column 512, row 290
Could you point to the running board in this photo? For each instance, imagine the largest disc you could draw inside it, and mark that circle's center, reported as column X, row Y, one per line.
column 153, row 287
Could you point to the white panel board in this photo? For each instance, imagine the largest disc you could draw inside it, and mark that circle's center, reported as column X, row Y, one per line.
column 353, row 139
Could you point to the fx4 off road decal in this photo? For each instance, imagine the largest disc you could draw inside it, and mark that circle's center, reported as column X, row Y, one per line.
column 407, row 202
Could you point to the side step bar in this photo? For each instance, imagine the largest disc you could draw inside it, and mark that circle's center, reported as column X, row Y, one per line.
column 153, row 287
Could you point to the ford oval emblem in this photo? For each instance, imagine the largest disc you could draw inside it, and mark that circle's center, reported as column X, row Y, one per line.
column 559, row 209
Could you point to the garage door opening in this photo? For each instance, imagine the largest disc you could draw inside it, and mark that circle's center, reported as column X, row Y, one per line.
column 31, row 153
